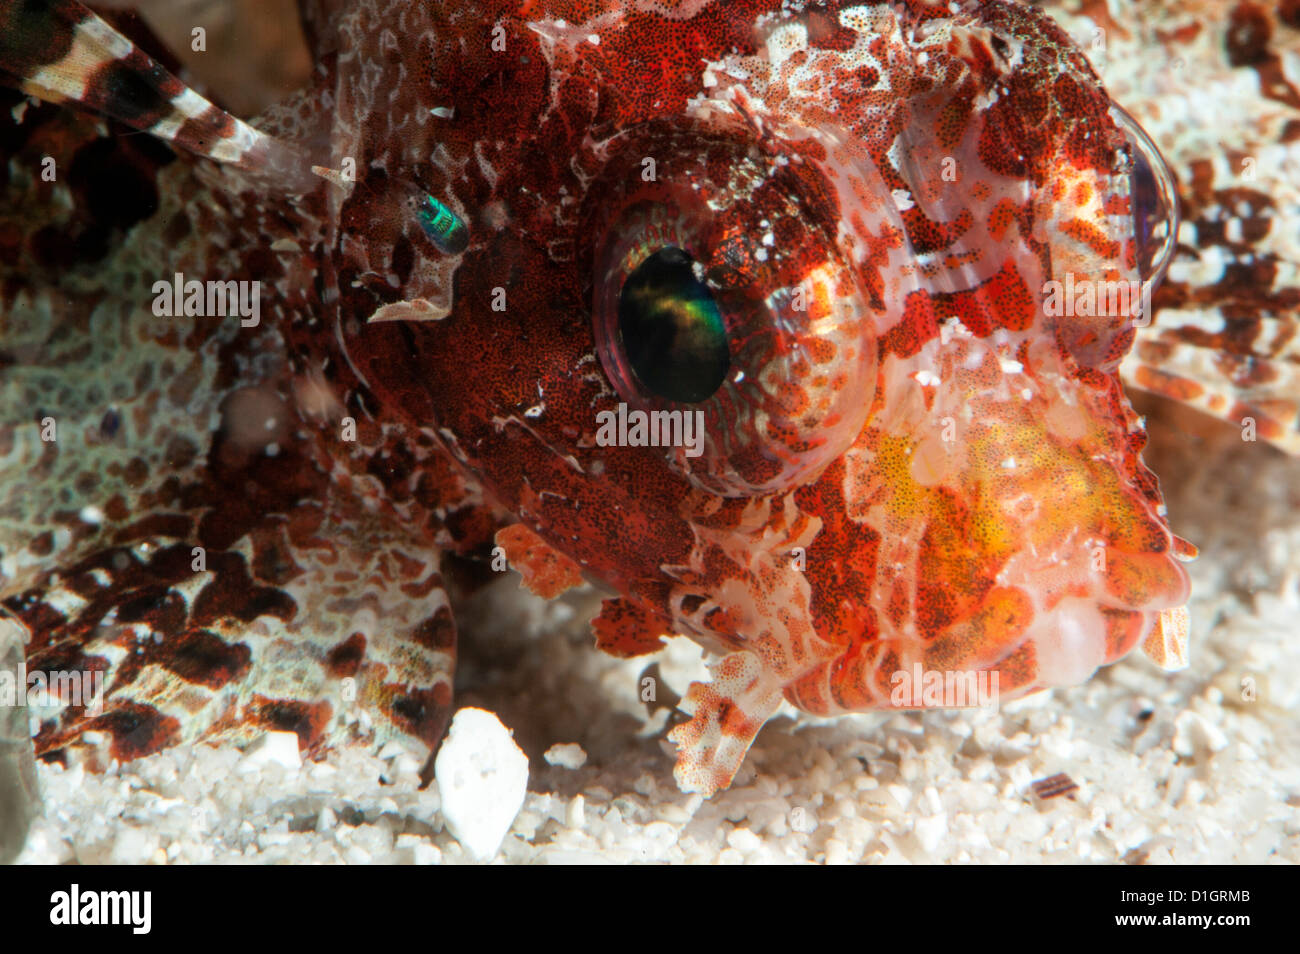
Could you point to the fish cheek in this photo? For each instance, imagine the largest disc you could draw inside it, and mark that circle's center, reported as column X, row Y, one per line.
column 510, row 383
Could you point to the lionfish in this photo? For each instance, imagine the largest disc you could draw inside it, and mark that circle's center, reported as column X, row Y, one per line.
column 857, row 282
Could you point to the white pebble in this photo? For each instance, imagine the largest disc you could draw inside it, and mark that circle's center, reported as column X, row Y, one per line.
column 569, row 755
column 426, row 854
column 837, row 853
column 575, row 815
column 1196, row 735
column 133, row 846
column 391, row 750
column 278, row 747
column 482, row 779
column 931, row 832
column 744, row 841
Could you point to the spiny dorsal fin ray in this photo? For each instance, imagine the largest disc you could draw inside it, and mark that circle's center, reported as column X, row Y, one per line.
column 58, row 50
column 1258, row 390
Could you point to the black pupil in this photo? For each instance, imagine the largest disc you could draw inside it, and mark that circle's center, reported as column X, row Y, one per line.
column 672, row 330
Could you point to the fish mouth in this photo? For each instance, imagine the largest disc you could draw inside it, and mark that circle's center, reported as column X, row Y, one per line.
column 1014, row 525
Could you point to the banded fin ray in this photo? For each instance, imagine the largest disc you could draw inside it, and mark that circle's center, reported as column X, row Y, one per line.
column 61, row 51
column 1256, row 384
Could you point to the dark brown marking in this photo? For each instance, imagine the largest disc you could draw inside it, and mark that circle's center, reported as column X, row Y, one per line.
column 345, row 658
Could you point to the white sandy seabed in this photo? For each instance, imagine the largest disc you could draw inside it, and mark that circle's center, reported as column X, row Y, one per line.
column 1193, row 767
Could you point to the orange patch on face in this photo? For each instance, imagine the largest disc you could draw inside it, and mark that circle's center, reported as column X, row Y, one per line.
column 626, row 629
column 918, row 326
column 1090, row 235
column 1018, row 670
column 1012, row 303
column 1123, row 630
column 1141, row 580
column 1001, row 218
column 545, row 570
column 1000, row 620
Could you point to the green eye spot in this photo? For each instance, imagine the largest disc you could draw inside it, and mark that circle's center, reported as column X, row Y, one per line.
column 443, row 226
column 672, row 332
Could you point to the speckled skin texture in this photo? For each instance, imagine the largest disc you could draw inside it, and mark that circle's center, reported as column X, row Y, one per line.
column 322, row 462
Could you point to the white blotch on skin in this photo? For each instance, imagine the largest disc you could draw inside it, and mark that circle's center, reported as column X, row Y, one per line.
column 1071, row 642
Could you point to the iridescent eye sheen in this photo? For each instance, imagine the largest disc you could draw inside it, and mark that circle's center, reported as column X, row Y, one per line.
column 720, row 290
column 671, row 329
column 443, row 226
column 1154, row 201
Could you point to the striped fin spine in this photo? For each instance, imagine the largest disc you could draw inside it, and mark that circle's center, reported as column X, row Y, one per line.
column 60, row 51
column 1244, row 371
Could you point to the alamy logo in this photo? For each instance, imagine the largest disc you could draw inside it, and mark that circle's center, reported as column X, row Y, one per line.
column 77, row 687
column 1087, row 299
column 211, row 299
column 103, row 907
column 636, row 428
column 935, row 689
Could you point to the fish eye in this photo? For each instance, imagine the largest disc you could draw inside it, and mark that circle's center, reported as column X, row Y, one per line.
column 1154, row 200
column 719, row 288
column 671, row 329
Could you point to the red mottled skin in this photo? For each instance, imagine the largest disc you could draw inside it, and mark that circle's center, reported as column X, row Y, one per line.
column 923, row 466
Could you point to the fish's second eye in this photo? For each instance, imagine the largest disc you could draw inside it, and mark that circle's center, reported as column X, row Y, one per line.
column 671, row 329
column 1154, row 200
